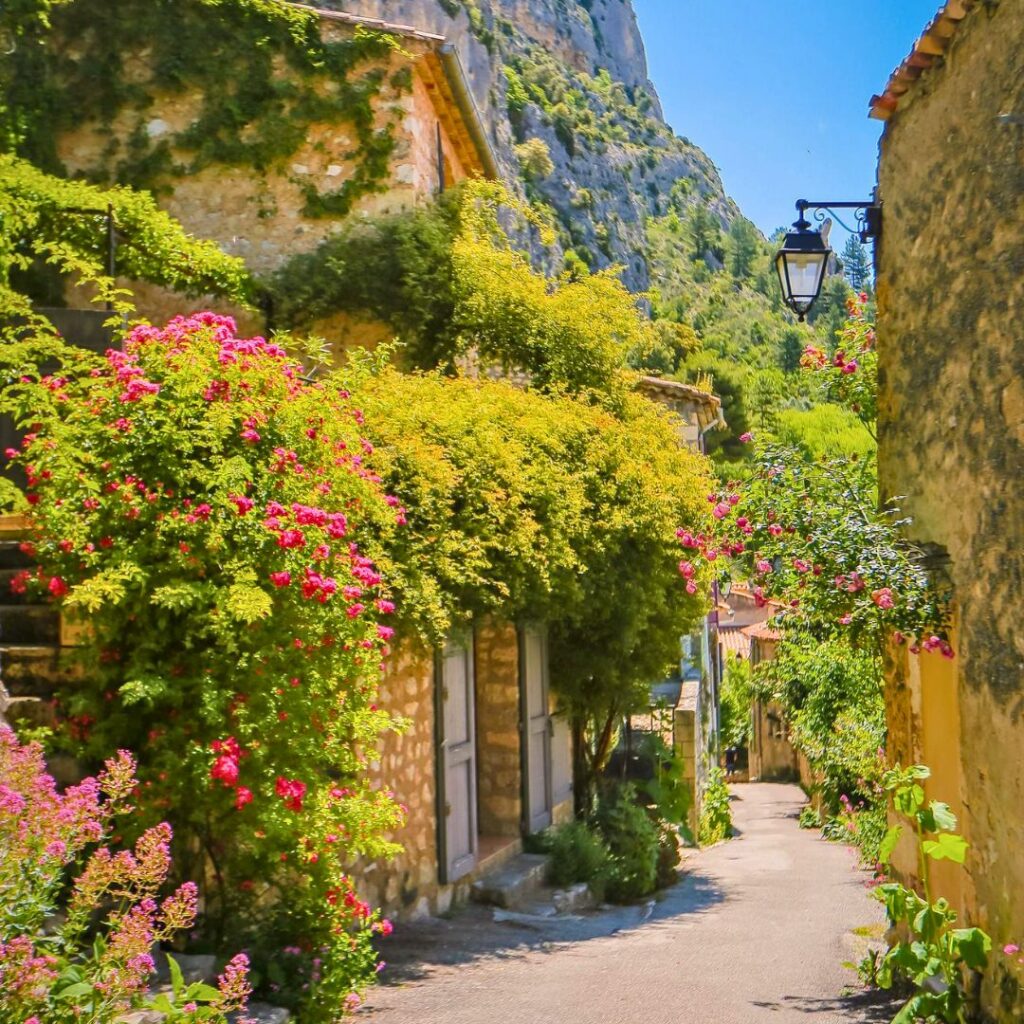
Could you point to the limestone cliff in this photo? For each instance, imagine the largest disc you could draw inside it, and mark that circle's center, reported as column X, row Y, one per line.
column 573, row 74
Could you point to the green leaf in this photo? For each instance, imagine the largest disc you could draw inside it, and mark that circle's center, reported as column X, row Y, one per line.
column 947, row 846
column 973, row 946
column 160, row 1002
column 80, row 988
column 937, row 817
column 201, row 992
column 888, row 844
column 248, row 603
column 177, row 979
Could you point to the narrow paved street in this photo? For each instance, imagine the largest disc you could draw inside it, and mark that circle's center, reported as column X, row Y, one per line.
column 757, row 931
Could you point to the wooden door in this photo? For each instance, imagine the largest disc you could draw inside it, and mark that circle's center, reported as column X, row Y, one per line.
column 536, row 725
column 457, row 758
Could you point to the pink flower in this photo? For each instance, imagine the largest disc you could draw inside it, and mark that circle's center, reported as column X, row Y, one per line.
column 883, row 598
column 763, row 565
column 1011, row 948
column 243, row 796
column 686, row 570
column 721, row 510
column 249, row 436
column 691, row 587
column 385, row 632
column 747, row 437
column 225, row 769
column 291, row 791
column 292, row 539
column 241, row 503
column 281, row 579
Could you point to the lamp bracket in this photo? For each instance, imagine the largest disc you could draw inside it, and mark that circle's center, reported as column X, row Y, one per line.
column 868, row 214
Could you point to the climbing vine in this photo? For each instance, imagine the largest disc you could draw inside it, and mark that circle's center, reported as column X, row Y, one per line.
column 255, row 75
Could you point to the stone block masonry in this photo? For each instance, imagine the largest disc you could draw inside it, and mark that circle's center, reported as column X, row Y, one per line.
column 950, row 280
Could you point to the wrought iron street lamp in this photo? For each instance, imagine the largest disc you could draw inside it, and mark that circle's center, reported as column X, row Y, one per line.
column 802, row 262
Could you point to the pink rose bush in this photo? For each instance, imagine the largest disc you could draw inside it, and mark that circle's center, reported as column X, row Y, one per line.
column 808, row 535
column 210, row 515
column 58, row 868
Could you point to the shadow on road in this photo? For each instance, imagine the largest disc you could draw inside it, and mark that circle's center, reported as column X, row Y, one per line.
column 473, row 934
column 860, row 1007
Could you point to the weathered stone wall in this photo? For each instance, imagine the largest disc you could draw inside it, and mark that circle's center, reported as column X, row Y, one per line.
column 258, row 216
column 499, row 775
column 406, row 886
column 951, row 303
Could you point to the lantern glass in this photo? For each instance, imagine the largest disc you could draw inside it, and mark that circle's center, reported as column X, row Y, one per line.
column 801, row 264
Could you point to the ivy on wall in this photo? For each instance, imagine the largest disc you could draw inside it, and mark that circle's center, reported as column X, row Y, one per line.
column 260, row 71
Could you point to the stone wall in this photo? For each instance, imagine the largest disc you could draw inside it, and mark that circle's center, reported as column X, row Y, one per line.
column 406, row 886
column 499, row 762
column 258, row 216
column 951, row 435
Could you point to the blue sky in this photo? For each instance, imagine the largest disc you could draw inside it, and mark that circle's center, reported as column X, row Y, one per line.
column 776, row 92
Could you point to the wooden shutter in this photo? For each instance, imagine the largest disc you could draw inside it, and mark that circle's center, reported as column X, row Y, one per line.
column 457, row 761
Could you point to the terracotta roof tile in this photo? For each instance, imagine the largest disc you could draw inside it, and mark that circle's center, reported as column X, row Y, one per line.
column 929, row 48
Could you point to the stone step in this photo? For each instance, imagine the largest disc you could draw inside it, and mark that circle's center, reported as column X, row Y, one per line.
column 513, row 884
column 27, row 712
column 34, row 670
column 29, row 624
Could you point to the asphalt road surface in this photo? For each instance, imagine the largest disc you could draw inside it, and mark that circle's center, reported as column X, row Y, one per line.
column 757, row 931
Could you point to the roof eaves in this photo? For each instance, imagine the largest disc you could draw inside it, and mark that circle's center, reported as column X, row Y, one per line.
column 454, row 74
column 928, row 49
column 374, row 23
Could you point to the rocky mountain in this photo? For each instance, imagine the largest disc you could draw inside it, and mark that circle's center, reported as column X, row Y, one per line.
column 564, row 86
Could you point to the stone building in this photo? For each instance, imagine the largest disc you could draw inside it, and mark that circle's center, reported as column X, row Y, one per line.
column 484, row 763
column 950, row 282
column 422, row 103
column 684, row 707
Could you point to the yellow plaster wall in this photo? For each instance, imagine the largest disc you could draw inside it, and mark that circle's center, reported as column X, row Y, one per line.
column 951, row 439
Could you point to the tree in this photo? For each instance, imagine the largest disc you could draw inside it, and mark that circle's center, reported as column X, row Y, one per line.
column 705, row 229
column 790, row 350
column 535, row 159
column 744, row 246
column 856, row 268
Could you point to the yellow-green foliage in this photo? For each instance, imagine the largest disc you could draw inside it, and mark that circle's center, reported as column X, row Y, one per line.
column 825, row 430
column 35, row 224
column 542, row 506
column 571, row 333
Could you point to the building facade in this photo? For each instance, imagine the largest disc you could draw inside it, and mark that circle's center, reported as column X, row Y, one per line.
column 422, row 107
column 685, row 707
column 950, row 283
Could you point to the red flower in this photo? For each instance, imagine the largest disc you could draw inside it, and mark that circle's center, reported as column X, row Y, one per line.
column 225, row 769
column 242, row 503
column 57, row 586
column 291, row 791
column 243, row 796
column 281, row 579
